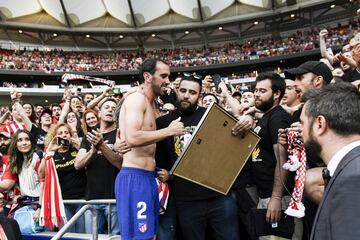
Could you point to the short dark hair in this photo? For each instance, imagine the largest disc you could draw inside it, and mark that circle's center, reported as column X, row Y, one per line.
column 210, row 94
column 191, row 79
column 339, row 103
column 277, row 82
column 149, row 65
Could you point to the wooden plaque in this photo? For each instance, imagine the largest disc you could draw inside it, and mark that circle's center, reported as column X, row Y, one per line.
column 213, row 157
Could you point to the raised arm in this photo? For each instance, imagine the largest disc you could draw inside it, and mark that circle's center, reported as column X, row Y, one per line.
column 93, row 104
column 66, row 108
column 323, row 33
column 15, row 98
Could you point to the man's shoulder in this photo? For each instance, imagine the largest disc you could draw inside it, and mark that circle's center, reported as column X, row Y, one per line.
column 279, row 112
column 135, row 97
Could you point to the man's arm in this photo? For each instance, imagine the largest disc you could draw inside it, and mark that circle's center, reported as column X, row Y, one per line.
column 7, row 184
column 135, row 107
column 83, row 158
column 96, row 139
column 273, row 213
column 323, row 33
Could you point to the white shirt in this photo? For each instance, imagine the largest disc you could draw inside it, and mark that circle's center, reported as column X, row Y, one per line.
column 335, row 160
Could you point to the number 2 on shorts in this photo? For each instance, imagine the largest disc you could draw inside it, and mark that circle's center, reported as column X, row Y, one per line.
column 142, row 208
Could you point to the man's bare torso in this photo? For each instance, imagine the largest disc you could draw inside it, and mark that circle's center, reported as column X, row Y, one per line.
column 143, row 156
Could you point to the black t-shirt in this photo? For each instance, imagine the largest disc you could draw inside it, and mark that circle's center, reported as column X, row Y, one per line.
column 351, row 75
column 100, row 172
column 168, row 150
column 39, row 135
column 72, row 181
column 263, row 157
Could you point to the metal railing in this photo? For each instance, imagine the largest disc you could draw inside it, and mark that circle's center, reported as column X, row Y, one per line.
column 88, row 205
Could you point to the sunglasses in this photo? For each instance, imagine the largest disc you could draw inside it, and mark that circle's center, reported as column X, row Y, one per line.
column 194, row 75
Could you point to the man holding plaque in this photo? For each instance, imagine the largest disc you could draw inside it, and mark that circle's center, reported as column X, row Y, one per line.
column 197, row 208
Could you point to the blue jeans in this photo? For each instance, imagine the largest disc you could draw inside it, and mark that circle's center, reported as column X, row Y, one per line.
column 102, row 219
column 218, row 214
column 79, row 225
column 167, row 222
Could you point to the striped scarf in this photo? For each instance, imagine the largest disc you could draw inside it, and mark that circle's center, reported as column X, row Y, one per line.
column 52, row 211
column 13, row 126
column 296, row 162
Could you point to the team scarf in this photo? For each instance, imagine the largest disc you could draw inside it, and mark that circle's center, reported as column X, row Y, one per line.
column 52, row 211
column 163, row 190
column 296, row 162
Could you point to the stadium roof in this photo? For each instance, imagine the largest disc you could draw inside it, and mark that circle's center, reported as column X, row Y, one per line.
column 53, row 21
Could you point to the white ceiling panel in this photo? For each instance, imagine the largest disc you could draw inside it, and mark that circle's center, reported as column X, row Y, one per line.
column 81, row 11
column 119, row 9
column 146, row 10
column 54, row 9
column 17, row 8
column 256, row 3
column 215, row 6
column 185, row 7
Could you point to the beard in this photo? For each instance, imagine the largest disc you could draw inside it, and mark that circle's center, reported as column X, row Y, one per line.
column 313, row 150
column 264, row 106
column 186, row 107
column 4, row 149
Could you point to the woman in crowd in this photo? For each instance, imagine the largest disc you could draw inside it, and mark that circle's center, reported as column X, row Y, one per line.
column 30, row 112
column 62, row 146
column 89, row 120
column 24, row 168
column 75, row 123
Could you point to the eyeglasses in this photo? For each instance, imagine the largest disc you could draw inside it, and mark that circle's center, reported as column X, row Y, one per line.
column 194, row 75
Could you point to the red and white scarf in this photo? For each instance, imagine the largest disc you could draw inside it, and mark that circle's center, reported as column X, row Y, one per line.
column 296, row 162
column 52, row 211
column 163, row 190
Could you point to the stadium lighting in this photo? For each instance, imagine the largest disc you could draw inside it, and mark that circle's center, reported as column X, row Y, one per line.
column 87, row 35
column 220, row 28
column 20, row 31
column 46, row 100
column 121, row 36
column 187, row 32
column 54, row 34
column 332, row 6
column 292, row 15
column 256, row 22
column 153, row 35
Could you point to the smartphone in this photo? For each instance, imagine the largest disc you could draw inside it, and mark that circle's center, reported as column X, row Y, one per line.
column 64, row 142
column 114, row 91
column 216, row 79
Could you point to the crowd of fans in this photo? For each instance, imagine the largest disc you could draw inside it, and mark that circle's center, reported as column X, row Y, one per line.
column 58, row 60
column 80, row 136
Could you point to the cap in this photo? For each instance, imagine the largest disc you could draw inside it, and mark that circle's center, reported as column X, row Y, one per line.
column 315, row 67
column 4, row 131
column 46, row 110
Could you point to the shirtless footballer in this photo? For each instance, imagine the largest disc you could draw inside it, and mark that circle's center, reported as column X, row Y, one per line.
column 135, row 188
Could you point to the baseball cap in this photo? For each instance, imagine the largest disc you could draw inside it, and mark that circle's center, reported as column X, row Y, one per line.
column 4, row 131
column 315, row 67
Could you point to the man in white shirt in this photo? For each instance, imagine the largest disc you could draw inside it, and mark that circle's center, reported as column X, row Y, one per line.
column 331, row 129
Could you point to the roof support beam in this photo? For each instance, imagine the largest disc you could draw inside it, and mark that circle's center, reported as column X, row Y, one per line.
column 200, row 10
column 65, row 13
column 132, row 13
